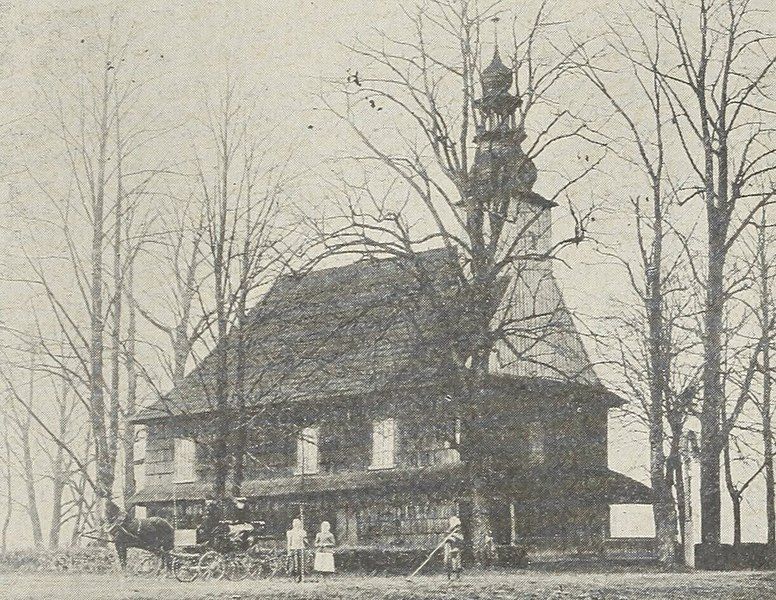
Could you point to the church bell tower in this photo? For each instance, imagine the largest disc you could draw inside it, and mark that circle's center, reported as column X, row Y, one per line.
column 503, row 175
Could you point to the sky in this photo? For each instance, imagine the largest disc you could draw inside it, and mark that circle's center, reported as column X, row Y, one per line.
column 287, row 53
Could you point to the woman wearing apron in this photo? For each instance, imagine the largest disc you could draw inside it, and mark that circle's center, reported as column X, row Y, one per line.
column 324, row 550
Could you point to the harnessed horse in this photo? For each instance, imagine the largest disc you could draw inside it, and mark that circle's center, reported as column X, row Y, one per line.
column 152, row 534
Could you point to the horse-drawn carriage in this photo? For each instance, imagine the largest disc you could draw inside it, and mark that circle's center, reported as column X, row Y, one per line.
column 231, row 549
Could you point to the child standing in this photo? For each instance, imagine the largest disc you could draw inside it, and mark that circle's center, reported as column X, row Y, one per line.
column 489, row 552
column 453, row 547
column 296, row 540
column 324, row 550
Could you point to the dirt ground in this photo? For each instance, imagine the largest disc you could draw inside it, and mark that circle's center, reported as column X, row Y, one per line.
column 526, row 585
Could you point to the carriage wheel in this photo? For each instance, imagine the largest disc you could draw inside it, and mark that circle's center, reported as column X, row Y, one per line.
column 212, row 565
column 236, row 568
column 185, row 569
column 151, row 566
column 256, row 567
column 275, row 565
column 254, row 559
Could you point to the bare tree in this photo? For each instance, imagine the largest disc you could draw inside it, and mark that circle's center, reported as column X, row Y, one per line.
column 244, row 252
column 757, row 326
column 130, row 406
column 443, row 190
column 101, row 126
column 735, row 488
column 767, row 302
column 8, row 483
column 182, row 250
column 262, row 257
column 60, row 463
column 716, row 85
column 23, row 449
column 649, row 280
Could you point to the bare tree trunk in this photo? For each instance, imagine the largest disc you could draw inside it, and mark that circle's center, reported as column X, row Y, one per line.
column 29, row 483
column 713, row 397
column 128, row 440
column 680, row 497
column 663, row 501
column 735, row 497
column 477, row 456
column 770, row 492
column 8, row 477
column 58, row 475
column 736, row 500
column 766, row 409
column 187, row 287
column 181, row 339
column 58, row 487
column 219, row 241
column 79, row 492
column 25, row 425
column 675, row 475
column 241, row 433
column 182, row 334
column 105, row 472
column 117, row 302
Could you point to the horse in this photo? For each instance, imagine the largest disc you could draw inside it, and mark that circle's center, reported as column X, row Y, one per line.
column 152, row 534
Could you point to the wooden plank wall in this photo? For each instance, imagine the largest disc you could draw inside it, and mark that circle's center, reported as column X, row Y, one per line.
column 423, row 438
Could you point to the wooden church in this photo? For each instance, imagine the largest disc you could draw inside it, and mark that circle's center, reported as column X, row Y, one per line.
column 351, row 410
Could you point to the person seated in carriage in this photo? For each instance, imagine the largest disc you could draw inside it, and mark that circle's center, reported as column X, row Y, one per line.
column 224, row 534
column 240, row 511
column 211, row 525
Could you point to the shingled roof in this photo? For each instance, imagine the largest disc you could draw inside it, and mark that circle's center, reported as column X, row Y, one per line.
column 355, row 329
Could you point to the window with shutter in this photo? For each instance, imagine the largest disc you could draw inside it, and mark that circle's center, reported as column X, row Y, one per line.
column 307, row 451
column 184, row 460
column 383, row 444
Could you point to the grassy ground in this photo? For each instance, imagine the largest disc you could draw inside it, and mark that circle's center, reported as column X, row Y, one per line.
column 524, row 585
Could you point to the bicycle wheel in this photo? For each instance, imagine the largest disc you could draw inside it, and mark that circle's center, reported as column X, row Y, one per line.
column 185, row 569
column 236, row 568
column 212, row 565
column 151, row 566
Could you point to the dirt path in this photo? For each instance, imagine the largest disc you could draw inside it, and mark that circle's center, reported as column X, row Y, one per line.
column 519, row 586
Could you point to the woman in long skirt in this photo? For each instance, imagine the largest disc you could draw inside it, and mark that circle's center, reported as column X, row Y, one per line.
column 324, row 550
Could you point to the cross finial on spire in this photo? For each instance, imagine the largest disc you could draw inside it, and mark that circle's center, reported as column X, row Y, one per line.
column 495, row 21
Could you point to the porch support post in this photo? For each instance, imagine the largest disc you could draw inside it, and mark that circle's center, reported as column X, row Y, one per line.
column 513, row 522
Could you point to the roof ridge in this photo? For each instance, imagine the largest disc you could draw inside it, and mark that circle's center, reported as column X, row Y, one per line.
column 362, row 262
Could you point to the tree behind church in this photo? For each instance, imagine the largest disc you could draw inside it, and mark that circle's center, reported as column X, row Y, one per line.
column 463, row 157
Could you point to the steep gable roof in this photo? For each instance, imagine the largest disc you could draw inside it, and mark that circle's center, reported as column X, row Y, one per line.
column 365, row 327
column 341, row 331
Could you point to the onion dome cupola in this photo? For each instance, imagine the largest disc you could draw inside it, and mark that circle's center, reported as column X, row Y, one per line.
column 496, row 77
column 497, row 105
column 500, row 165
